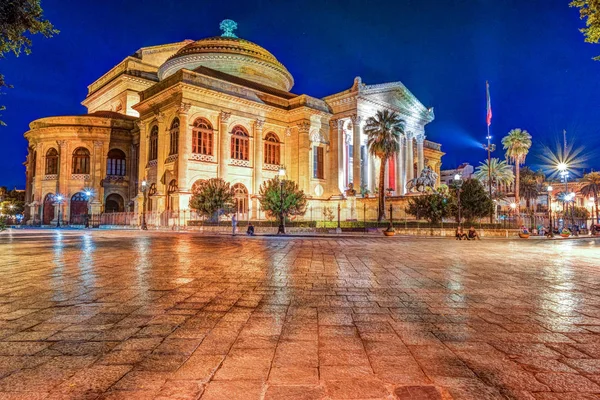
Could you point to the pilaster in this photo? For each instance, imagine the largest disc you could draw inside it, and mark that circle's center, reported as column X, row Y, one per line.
column 224, row 155
column 184, row 150
column 400, row 168
column 163, row 143
column 258, row 154
column 304, row 156
column 420, row 155
column 409, row 156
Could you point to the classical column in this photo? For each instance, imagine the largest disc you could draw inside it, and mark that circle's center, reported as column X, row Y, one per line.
column 338, row 128
column 400, row 168
column 420, row 155
column 372, row 178
column 224, row 139
column 98, row 166
column 184, row 148
column 409, row 157
column 305, row 157
column 142, row 164
column 356, row 130
column 258, row 154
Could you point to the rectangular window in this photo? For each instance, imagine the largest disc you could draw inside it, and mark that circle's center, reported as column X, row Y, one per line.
column 318, row 167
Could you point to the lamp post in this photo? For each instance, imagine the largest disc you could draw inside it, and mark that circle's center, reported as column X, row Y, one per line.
column 549, row 190
column 489, row 148
column 458, row 183
column 281, row 230
column 89, row 195
column 144, row 190
column 513, row 207
column 58, row 199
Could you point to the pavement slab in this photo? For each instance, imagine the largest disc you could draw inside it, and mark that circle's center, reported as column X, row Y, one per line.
column 163, row 315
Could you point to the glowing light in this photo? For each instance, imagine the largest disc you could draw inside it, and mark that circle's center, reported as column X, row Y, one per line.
column 549, row 188
column 562, row 166
column 59, row 198
column 457, row 177
column 513, row 205
column 143, row 183
column 282, row 171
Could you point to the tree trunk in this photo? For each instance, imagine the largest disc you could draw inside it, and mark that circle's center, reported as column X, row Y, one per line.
column 596, row 201
column 381, row 210
column 517, row 200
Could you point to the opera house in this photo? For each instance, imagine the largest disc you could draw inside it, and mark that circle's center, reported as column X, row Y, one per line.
column 175, row 114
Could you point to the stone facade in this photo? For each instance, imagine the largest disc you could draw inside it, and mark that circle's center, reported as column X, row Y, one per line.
column 175, row 114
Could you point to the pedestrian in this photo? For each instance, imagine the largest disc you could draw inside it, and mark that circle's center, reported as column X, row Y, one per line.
column 233, row 224
column 250, row 231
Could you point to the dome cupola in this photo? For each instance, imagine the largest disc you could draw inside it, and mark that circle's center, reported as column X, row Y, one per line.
column 229, row 54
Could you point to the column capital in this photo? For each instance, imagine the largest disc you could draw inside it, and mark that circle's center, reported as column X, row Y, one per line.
column 98, row 143
column 333, row 123
column 183, row 108
column 356, row 119
column 420, row 137
column 409, row 135
column 288, row 132
column 303, row 127
column 60, row 143
column 159, row 116
column 224, row 116
column 259, row 124
column 140, row 125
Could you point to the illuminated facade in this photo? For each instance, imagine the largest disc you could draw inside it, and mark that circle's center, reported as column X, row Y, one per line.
column 176, row 114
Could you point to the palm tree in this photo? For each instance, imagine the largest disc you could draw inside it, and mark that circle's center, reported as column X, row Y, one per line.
column 517, row 144
column 500, row 172
column 591, row 188
column 383, row 132
column 530, row 185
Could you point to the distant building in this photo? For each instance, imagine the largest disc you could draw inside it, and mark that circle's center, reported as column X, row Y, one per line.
column 465, row 170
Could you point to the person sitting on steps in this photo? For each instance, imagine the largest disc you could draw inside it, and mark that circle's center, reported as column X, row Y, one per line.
column 473, row 234
column 460, row 234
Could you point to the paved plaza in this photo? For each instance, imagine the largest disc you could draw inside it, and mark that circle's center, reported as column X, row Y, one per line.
column 147, row 315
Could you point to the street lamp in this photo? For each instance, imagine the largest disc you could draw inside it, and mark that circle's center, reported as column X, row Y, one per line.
column 458, row 183
column 58, row 199
column 513, row 207
column 144, row 190
column 550, row 211
column 89, row 194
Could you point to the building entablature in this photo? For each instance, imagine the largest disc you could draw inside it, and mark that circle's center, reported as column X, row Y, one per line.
column 129, row 66
column 100, row 120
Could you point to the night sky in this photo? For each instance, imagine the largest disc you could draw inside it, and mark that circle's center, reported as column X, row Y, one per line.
column 540, row 70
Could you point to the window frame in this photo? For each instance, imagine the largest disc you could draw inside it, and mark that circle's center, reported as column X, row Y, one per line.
column 174, row 137
column 318, row 162
column 51, row 167
column 202, row 137
column 80, row 162
column 240, row 144
column 116, row 166
column 272, row 149
column 153, row 144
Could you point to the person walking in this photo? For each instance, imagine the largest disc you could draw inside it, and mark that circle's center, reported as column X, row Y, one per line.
column 233, row 224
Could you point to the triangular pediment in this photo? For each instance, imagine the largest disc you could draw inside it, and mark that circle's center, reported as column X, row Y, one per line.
column 395, row 94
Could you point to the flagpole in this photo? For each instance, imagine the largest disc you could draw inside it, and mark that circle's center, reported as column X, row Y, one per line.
column 489, row 147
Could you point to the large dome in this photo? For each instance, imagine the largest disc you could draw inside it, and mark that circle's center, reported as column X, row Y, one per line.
column 233, row 56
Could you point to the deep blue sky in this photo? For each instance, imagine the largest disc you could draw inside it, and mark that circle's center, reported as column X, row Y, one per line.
column 541, row 74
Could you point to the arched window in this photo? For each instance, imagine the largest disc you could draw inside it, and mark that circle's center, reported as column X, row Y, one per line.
column 172, row 188
column 153, row 145
column 202, row 137
column 115, row 163
column 81, row 161
column 174, row 138
column 52, row 162
column 114, row 203
column 240, row 195
column 272, row 149
column 240, row 144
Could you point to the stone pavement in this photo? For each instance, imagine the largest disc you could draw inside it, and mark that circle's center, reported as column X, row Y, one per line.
column 142, row 315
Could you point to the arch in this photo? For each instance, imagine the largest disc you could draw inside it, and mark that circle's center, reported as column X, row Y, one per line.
column 174, row 137
column 115, row 162
column 78, row 208
column 52, row 161
column 202, row 137
column 48, row 209
column 240, row 143
column 272, row 150
column 151, row 192
column 114, row 203
column 240, row 196
column 153, row 144
column 81, row 161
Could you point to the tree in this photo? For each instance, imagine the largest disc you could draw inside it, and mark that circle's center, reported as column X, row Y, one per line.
column 294, row 199
column 590, row 11
column 500, row 172
column 18, row 20
column 383, row 140
column 517, row 144
column 474, row 200
column 13, row 201
column 530, row 185
column 214, row 197
column 434, row 206
column 591, row 188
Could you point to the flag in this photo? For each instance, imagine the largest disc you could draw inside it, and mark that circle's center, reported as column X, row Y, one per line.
column 489, row 103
